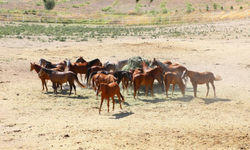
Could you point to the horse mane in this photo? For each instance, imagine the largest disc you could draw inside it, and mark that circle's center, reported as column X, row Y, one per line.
column 92, row 61
column 161, row 64
column 48, row 71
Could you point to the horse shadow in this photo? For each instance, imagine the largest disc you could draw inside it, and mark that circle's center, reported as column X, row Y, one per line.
column 185, row 98
column 122, row 115
column 65, row 93
column 153, row 101
column 214, row 100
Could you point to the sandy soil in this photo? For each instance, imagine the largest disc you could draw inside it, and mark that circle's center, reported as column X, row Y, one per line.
column 33, row 119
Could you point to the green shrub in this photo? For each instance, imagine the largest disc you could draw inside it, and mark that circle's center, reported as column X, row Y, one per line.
column 189, row 8
column 207, row 8
column 49, row 4
column 215, row 6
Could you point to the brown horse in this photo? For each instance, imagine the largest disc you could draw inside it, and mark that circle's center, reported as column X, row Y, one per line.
column 80, row 60
column 158, row 77
column 201, row 78
column 107, row 91
column 173, row 78
column 167, row 62
column 82, row 68
column 48, row 64
column 99, row 78
column 147, row 79
column 61, row 77
column 171, row 68
column 44, row 77
column 116, row 66
column 95, row 68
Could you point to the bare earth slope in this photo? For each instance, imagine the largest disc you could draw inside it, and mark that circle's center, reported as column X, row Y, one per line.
column 32, row 119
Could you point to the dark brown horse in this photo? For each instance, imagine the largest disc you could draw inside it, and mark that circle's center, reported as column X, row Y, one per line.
column 82, row 68
column 116, row 66
column 201, row 78
column 147, row 79
column 61, row 77
column 107, row 91
column 80, row 60
column 48, row 64
column 44, row 77
column 173, row 78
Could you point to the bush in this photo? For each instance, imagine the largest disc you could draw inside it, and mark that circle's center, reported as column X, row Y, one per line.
column 49, row 4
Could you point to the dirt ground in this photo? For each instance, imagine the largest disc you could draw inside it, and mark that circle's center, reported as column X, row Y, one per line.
column 33, row 119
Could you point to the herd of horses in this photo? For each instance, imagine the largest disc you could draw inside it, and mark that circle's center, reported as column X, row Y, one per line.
column 105, row 78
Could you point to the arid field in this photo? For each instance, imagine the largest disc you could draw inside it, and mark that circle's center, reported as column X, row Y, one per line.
column 34, row 119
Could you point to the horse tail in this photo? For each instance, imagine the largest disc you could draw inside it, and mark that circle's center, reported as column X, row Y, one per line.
column 122, row 97
column 162, row 78
column 217, row 78
column 87, row 75
column 78, row 82
column 90, row 76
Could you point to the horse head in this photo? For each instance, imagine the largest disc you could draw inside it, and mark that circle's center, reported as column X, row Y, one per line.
column 32, row 66
column 154, row 62
column 68, row 63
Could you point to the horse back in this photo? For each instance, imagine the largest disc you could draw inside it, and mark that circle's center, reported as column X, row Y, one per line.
column 203, row 77
column 109, row 90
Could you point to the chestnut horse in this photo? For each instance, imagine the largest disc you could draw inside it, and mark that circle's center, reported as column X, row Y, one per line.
column 147, row 79
column 201, row 78
column 44, row 77
column 102, row 78
column 82, row 68
column 158, row 77
column 61, row 77
column 173, row 78
column 96, row 68
column 107, row 91
column 171, row 68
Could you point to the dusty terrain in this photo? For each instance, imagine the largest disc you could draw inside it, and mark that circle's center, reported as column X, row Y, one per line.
column 33, row 119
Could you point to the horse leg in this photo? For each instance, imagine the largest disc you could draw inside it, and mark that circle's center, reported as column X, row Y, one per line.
column 213, row 88
column 181, row 86
column 70, row 88
column 44, row 84
column 118, row 95
column 113, row 100
column 195, row 89
column 54, row 87
column 207, row 88
column 108, row 104
column 152, row 93
column 146, row 94
column 74, row 87
column 167, row 87
column 100, row 105
column 173, row 90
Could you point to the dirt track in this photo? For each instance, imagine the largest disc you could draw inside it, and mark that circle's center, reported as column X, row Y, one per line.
column 32, row 119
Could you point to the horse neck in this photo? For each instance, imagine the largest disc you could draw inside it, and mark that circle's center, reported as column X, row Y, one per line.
column 48, row 71
column 162, row 65
column 92, row 62
column 190, row 74
column 155, row 70
column 37, row 68
column 144, row 67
